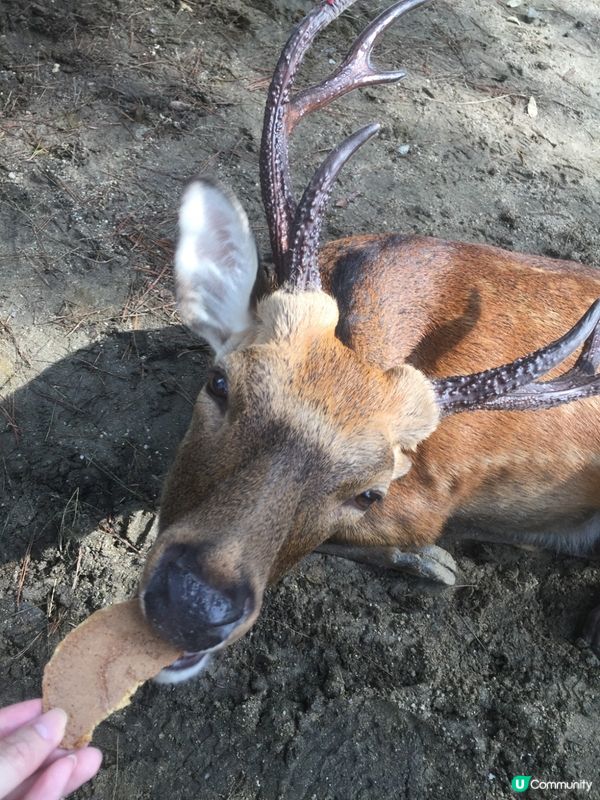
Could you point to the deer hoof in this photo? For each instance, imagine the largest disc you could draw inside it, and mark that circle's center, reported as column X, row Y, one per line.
column 431, row 562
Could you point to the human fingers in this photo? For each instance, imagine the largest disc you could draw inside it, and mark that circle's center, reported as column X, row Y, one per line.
column 12, row 717
column 23, row 750
column 51, row 782
column 88, row 763
column 89, row 760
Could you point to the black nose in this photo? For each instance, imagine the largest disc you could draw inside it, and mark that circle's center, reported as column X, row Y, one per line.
column 183, row 606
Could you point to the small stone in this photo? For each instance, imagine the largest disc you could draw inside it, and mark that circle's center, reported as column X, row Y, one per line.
column 532, row 108
column 532, row 14
column 403, row 150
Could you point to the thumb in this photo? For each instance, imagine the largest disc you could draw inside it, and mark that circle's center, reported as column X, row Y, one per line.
column 24, row 750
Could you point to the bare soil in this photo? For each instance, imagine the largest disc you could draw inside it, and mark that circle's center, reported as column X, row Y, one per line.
column 354, row 684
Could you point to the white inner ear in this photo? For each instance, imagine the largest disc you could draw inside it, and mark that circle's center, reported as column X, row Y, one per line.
column 402, row 463
column 215, row 264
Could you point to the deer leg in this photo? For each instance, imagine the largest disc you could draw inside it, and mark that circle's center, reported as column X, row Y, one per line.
column 430, row 561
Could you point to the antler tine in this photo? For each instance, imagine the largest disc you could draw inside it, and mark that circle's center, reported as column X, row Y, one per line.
column 304, row 268
column 356, row 70
column 496, row 388
column 543, row 395
column 589, row 358
column 282, row 113
column 575, row 384
column 274, row 162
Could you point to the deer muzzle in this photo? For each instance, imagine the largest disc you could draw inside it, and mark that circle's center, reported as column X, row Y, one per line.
column 193, row 608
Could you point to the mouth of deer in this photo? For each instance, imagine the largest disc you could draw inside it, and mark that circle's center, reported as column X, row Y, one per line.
column 187, row 660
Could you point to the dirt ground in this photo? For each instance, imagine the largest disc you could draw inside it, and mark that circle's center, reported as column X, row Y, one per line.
column 354, row 684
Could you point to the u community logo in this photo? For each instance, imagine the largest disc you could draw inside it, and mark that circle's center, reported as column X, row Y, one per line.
column 521, row 783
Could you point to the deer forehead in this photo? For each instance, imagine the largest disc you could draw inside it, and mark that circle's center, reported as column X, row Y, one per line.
column 308, row 380
column 287, row 313
column 295, row 346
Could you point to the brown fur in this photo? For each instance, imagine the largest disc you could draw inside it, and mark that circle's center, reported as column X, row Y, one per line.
column 452, row 309
column 323, row 408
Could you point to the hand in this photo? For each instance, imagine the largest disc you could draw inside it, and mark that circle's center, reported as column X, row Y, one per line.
column 32, row 767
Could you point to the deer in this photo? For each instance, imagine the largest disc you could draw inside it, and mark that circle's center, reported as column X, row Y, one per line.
column 376, row 395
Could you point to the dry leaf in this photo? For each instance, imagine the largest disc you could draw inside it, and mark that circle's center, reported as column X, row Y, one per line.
column 532, row 108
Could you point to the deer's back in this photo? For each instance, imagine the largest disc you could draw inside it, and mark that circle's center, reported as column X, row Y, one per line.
column 450, row 309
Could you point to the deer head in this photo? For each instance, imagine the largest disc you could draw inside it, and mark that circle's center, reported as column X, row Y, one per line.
column 293, row 438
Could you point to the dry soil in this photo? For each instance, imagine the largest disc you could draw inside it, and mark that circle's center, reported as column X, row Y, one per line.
column 354, row 685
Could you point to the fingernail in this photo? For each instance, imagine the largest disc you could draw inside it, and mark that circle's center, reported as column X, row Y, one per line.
column 51, row 723
column 73, row 759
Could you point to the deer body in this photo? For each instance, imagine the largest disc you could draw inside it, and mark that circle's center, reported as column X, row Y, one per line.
column 327, row 421
column 448, row 309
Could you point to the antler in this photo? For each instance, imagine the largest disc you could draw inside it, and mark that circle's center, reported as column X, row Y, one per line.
column 513, row 386
column 303, row 263
column 295, row 231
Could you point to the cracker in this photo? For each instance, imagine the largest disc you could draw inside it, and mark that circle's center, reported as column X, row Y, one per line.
column 96, row 669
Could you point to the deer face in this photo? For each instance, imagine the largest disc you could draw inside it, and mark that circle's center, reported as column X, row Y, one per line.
column 292, row 439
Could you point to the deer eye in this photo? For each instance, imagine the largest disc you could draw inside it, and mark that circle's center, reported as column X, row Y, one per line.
column 217, row 386
column 366, row 499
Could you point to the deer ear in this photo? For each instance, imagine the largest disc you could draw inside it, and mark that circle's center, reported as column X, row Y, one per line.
column 416, row 413
column 215, row 264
